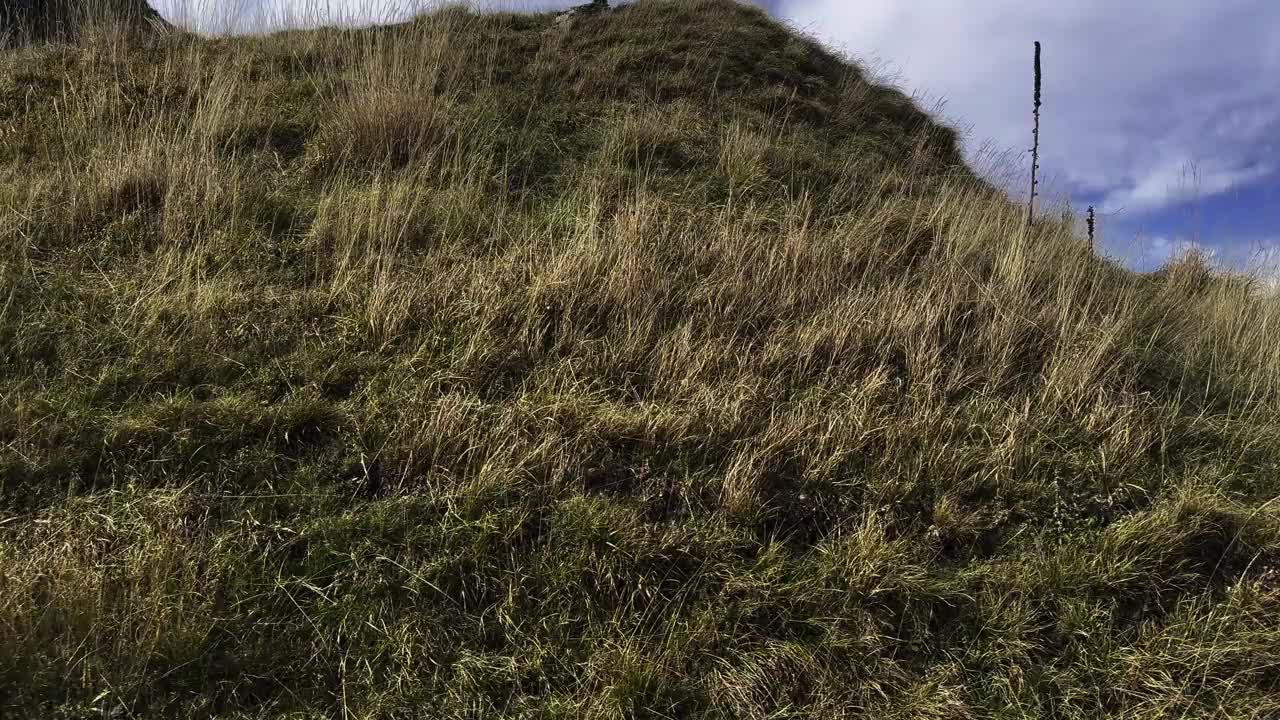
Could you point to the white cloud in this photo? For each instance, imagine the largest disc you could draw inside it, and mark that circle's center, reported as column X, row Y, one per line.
column 216, row 16
column 1257, row 255
column 1165, row 185
column 1137, row 94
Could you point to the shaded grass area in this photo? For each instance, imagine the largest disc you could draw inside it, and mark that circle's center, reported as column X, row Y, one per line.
column 660, row 366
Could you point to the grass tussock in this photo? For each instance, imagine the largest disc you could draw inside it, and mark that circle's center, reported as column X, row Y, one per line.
column 660, row 366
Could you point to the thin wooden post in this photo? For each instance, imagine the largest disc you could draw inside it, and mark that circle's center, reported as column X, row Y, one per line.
column 1091, row 223
column 1035, row 148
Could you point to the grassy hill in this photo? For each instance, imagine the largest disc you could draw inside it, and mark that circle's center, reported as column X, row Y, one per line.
column 657, row 366
column 50, row 20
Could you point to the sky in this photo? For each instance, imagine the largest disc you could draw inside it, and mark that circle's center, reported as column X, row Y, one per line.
column 1165, row 114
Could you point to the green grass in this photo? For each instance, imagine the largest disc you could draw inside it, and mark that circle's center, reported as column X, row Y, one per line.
column 661, row 367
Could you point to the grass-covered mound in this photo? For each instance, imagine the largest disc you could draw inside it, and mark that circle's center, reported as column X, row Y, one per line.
column 25, row 21
column 659, row 365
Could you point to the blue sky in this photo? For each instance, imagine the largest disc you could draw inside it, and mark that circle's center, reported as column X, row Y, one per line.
column 1163, row 113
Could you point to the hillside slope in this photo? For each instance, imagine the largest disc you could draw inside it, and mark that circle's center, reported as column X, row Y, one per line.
column 660, row 365
column 45, row 20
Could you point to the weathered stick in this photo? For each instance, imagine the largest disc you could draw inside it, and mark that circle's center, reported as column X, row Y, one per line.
column 1035, row 148
column 1090, row 221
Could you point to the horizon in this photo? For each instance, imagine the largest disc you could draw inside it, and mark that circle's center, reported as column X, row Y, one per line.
column 1174, row 142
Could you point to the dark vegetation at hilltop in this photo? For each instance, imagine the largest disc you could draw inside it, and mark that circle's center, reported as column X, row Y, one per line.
column 45, row 20
column 658, row 366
